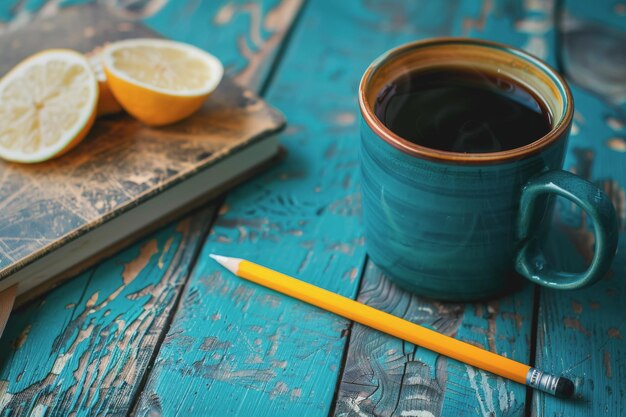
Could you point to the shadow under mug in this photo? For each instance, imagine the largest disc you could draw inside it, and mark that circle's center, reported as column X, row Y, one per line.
column 456, row 226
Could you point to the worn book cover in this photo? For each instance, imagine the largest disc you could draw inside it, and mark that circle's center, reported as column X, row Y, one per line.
column 122, row 165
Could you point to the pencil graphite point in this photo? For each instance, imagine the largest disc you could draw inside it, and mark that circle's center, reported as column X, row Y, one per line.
column 565, row 388
column 232, row 264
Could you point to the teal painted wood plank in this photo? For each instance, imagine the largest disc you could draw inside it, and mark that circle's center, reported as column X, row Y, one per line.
column 18, row 13
column 582, row 332
column 84, row 348
column 235, row 348
column 386, row 376
column 14, row 12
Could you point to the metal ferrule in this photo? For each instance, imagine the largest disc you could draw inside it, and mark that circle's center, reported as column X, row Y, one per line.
column 542, row 381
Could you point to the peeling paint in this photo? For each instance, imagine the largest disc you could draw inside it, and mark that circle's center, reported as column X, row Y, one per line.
column 92, row 300
column 296, row 393
column 60, row 363
column 279, row 364
column 5, row 397
column 21, row 338
column 254, row 359
column 477, row 24
column 274, row 23
column 38, row 411
column 274, row 341
column 471, row 373
column 517, row 317
column 575, row 324
column 416, row 413
column 607, row 364
column 305, row 261
column 224, row 14
column 616, row 144
column 614, row 123
column 614, row 333
column 166, row 248
column 345, row 118
column 212, row 343
column 352, row 274
column 134, row 267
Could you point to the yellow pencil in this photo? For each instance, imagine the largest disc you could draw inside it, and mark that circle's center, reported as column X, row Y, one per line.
column 400, row 328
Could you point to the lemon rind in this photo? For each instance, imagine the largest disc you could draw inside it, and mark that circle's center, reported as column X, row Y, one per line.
column 215, row 66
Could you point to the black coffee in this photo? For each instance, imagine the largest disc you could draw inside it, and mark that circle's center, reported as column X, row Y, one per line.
column 462, row 110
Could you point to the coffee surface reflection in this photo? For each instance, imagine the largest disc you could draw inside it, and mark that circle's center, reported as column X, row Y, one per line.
column 462, row 110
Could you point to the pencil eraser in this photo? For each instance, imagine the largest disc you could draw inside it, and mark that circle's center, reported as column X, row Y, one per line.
column 564, row 388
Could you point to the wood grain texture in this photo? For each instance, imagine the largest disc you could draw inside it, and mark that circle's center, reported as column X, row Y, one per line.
column 48, row 365
column 582, row 332
column 235, row 348
column 385, row 376
column 83, row 349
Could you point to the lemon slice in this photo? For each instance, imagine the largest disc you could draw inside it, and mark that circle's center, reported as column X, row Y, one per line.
column 47, row 106
column 160, row 81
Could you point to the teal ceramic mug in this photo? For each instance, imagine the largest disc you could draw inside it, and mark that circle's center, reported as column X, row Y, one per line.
column 466, row 226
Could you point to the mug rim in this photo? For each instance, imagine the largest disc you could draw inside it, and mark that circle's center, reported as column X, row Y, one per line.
column 556, row 132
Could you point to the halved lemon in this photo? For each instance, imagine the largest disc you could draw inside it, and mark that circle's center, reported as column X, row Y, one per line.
column 159, row 81
column 107, row 103
column 47, row 105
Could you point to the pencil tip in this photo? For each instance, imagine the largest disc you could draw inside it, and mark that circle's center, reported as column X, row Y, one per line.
column 232, row 264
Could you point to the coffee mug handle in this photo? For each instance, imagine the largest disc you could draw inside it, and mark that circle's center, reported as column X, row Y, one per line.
column 531, row 263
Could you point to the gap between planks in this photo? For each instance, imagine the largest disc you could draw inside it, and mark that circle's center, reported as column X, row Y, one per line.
column 176, row 304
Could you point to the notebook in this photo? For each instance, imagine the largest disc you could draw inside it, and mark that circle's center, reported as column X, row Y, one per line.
column 61, row 216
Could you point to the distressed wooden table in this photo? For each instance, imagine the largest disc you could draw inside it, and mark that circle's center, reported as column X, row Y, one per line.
column 160, row 329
